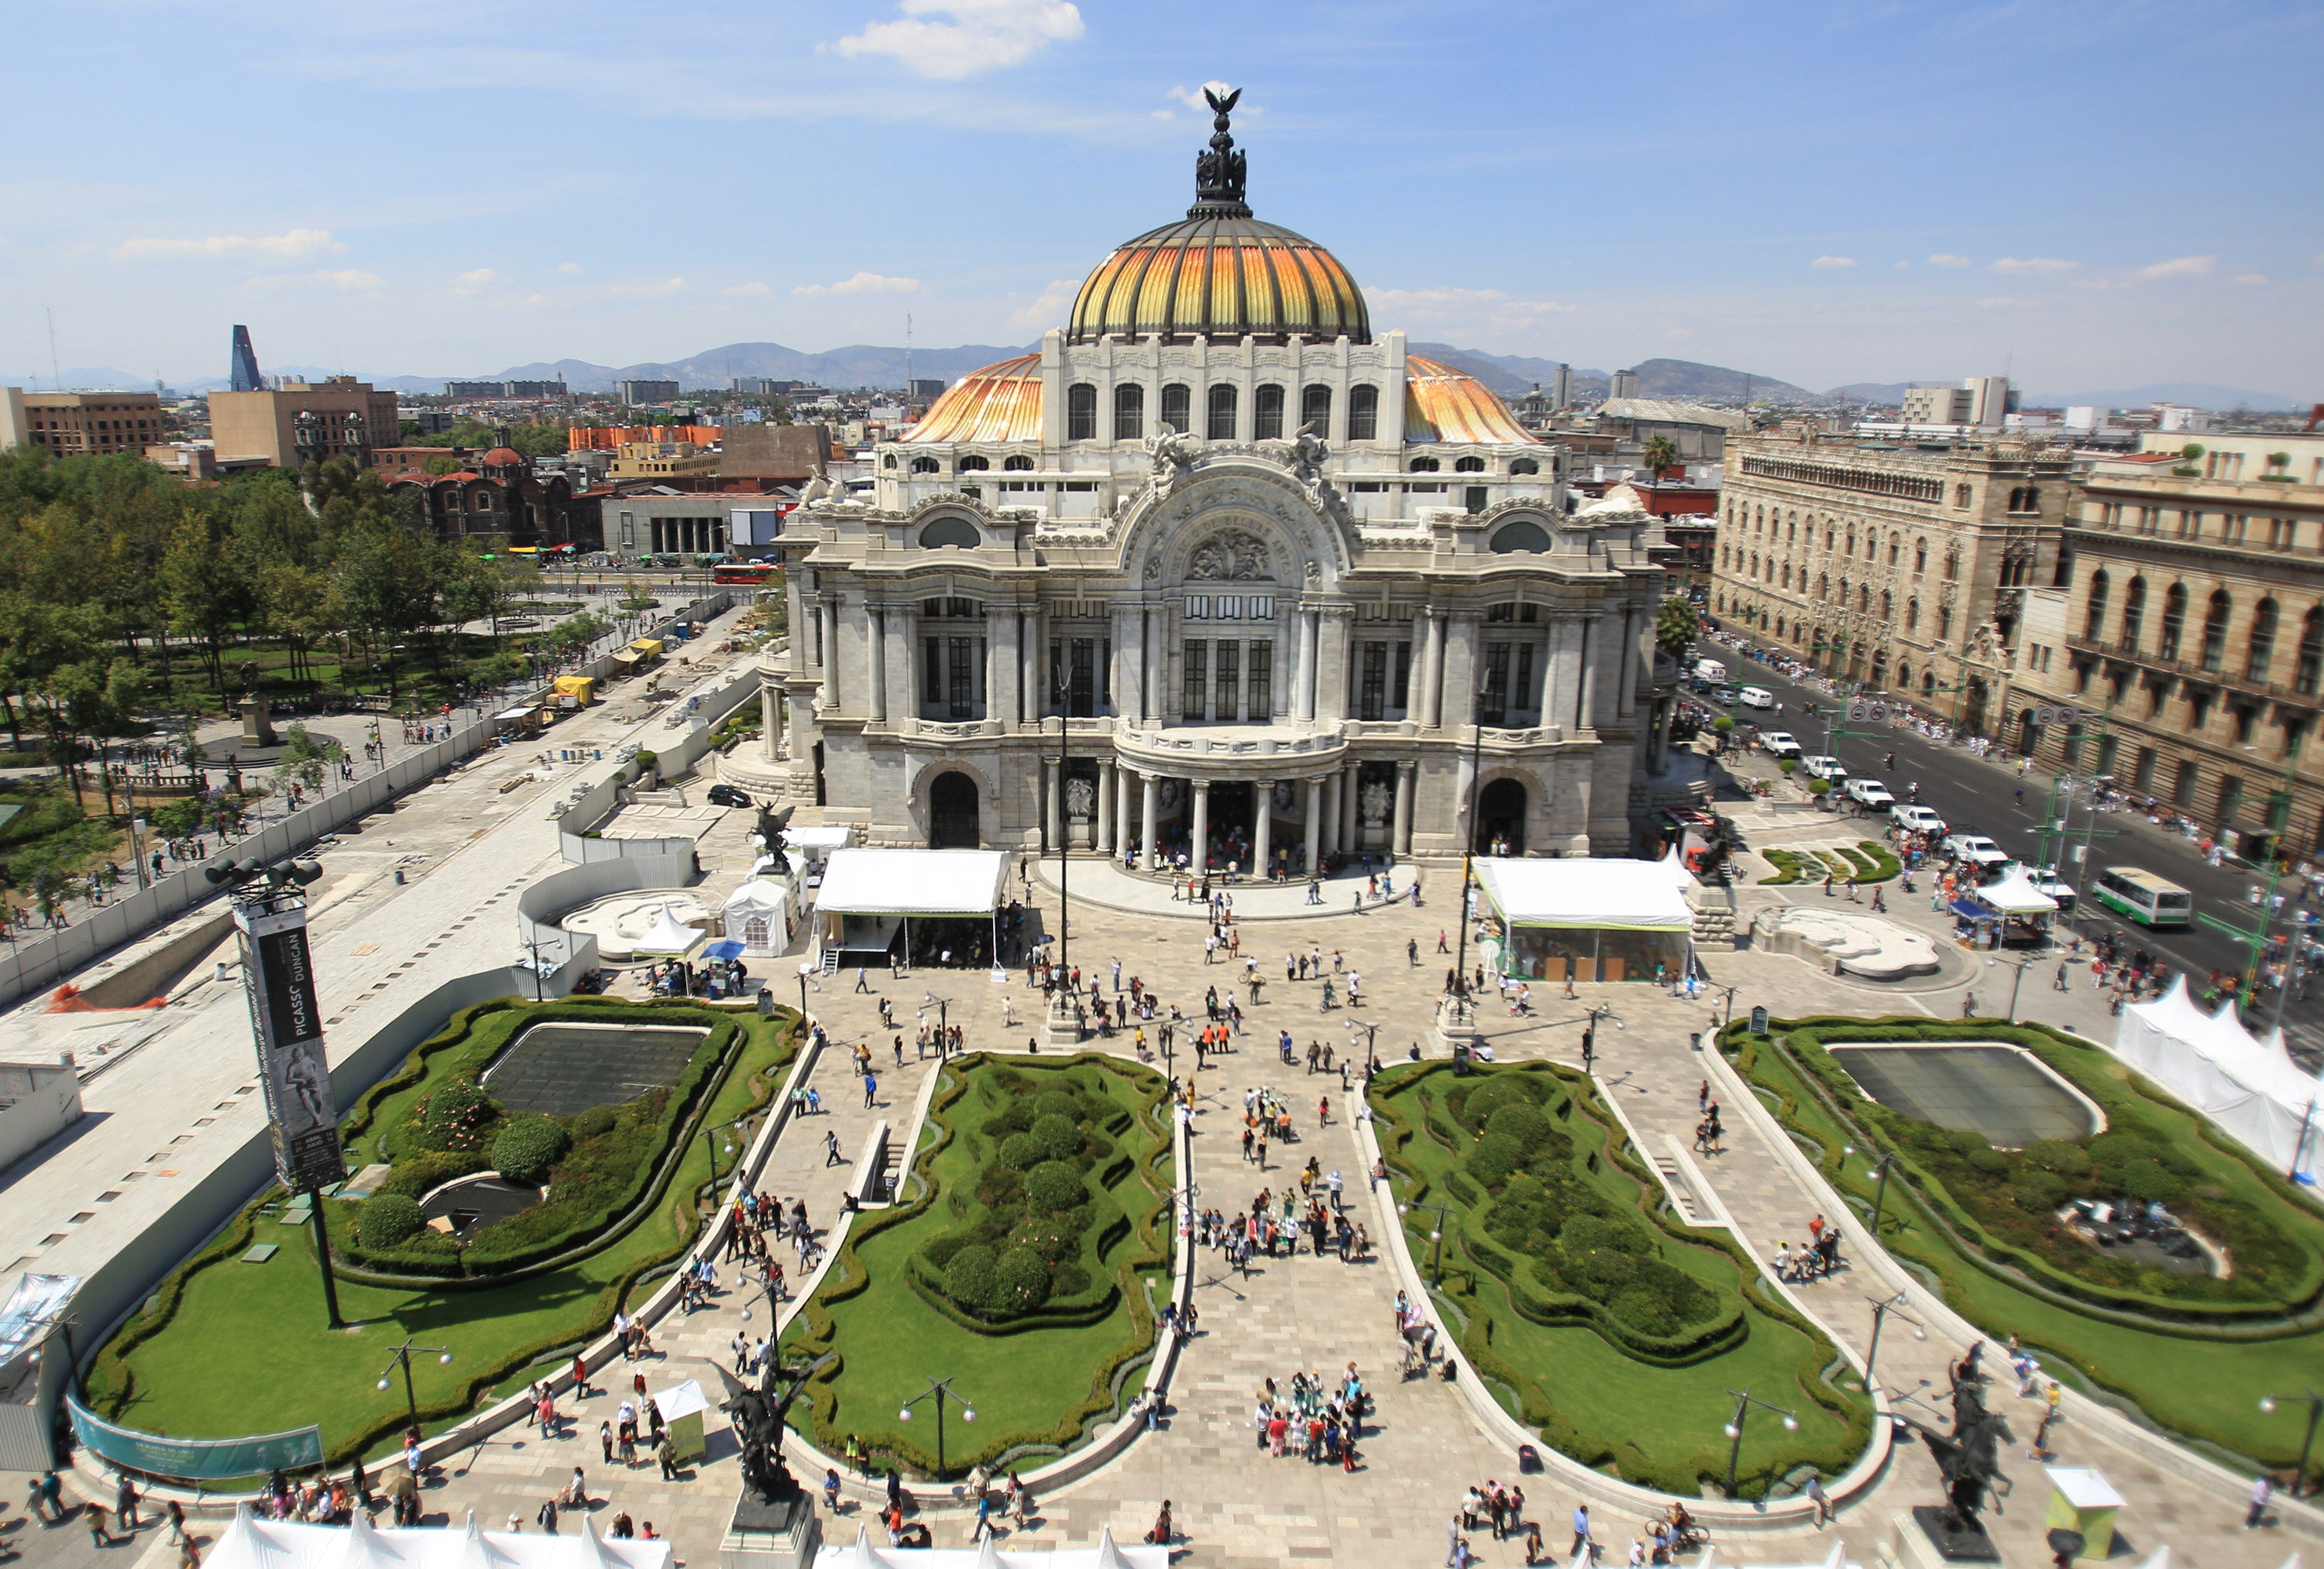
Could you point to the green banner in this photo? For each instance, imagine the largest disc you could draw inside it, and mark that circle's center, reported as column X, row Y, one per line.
column 195, row 1459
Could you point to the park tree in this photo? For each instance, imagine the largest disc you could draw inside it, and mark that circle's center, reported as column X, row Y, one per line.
column 1676, row 625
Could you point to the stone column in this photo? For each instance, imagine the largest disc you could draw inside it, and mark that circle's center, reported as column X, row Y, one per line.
column 1314, row 824
column 1331, row 664
column 876, row 617
column 1431, row 707
column 1053, row 806
column 1262, row 838
column 1130, row 697
column 1033, row 678
column 1626, row 690
column 1000, row 666
column 1460, row 688
column 1592, row 642
column 1561, row 688
column 1202, row 834
column 770, row 717
column 1401, row 838
column 1332, row 782
column 1125, row 810
column 1303, row 690
column 1149, row 821
column 1105, row 808
column 1552, row 671
column 1350, row 840
column 828, row 617
column 902, row 666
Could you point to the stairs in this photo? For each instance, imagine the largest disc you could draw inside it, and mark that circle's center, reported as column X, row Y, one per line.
column 892, row 1168
column 831, row 961
column 1674, row 1183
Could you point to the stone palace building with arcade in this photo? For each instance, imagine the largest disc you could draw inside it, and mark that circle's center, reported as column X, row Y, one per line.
column 1218, row 564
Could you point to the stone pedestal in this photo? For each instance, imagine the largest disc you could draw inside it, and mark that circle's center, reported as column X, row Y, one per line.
column 1456, row 1028
column 764, row 1535
column 1920, row 1541
column 1062, row 1029
column 257, row 732
column 1081, row 833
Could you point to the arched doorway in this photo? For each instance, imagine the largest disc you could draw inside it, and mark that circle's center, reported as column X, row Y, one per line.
column 1500, row 819
column 1973, row 711
column 952, row 812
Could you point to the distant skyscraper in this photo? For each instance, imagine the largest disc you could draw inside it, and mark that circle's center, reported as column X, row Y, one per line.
column 243, row 376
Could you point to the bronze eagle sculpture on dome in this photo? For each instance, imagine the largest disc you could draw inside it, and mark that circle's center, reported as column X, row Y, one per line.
column 1219, row 171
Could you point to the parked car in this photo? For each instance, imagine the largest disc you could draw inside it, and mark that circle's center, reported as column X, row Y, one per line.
column 2046, row 879
column 727, row 795
column 1916, row 818
column 1870, row 794
column 1778, row 744
column 1724, row 696
column 1756, row 697
column 1824, row 765
column 1974, row 848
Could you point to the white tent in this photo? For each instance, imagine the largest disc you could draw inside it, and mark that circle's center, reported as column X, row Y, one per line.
column 861, row 1554
column 758, row 915
column 912, row 882
column 249, row 1542
column 670, row 936
column 2250, row 1089
column 2014, row 893
column 1625, row 894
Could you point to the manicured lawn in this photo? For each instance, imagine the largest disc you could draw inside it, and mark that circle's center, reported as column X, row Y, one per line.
column 1032, row 1386
column 242, row 1348
column 1651, row 1408
column 2205, row 1387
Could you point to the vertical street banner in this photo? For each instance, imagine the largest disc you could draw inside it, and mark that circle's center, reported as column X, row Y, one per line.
column 287, row 1022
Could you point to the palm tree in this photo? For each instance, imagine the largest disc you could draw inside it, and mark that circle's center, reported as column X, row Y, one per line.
column 1661, row 456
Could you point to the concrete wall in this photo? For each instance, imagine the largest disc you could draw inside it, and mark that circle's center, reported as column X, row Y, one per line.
column 148, row 975
column 38, row 1101
column 539, row 905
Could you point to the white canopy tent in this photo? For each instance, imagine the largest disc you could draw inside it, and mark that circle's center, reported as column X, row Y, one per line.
column 2014, row 893
column 866, row 892
column 250, row 1543
column 759, row 914
column 988, row 1555
column 1611, row 920
column 2250, row 1089
column 669, row 936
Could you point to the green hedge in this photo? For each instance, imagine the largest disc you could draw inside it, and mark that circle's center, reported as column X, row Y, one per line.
column 1987, row 1199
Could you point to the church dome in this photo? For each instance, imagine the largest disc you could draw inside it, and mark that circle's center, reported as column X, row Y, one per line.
column 1218, row 273
column 503, row 457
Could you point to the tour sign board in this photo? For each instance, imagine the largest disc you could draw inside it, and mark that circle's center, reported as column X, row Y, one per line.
column 287, row 1024
column 1758, row 1020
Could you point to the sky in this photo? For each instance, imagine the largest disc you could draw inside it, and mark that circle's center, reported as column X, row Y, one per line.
column 2084, row 195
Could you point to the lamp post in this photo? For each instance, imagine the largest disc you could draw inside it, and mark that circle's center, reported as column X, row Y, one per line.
column 1372, row 1041
column 939, row 1391
column 1880, row 1311
column 1590, row 1033
column 1064, row 827
column 1744, row 1400
column 402, row 1359
column 1729, row 992
column 943, row 1006
column 2315, row 1404
column 2020, row 965
column 1443, row 1213
column 805, row 971
column 1880, row 1193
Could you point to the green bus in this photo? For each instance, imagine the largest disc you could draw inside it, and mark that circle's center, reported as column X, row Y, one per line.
column 2143, row 897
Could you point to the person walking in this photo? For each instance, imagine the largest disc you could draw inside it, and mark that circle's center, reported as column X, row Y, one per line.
column 1581, row 1533
column 871, row 1090
column 1819, row 1497
column 831, row 1156
column 94, row 1513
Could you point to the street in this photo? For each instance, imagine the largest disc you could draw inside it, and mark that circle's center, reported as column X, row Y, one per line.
column 1981, row 795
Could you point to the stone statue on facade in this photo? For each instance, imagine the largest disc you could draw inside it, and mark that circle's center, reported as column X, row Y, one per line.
column 1374, row 802
column 1081, row 796
column 1231, row 556
column 1172, row 454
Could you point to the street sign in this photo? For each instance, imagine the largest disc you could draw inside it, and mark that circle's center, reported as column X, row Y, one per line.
column 1758, row 1020
column 2056, row 714
column 1863, row 713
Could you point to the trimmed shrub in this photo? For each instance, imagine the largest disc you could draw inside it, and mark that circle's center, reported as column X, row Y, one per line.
column 594, row 1122
column 970, row 1276
column 1022, row 1277
column 528, row 1149
column 457, row 1116
column 1056, row 1135
column 390, row 1220
column 423, row 1174
column 1054, row 1187
column 1023, row 1150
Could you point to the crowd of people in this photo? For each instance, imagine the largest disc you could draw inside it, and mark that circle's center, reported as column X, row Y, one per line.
column 1312, row 1420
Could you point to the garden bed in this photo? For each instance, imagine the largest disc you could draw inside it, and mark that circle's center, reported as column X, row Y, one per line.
column 1018, row 1267
column 1606, row 1324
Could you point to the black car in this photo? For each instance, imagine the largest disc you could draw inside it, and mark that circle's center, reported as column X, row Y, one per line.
column 727, row 795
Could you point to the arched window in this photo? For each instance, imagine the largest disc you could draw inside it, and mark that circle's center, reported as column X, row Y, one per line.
column 1528, row 467
column 1179, row 407
column 2310, row 673
column 1793, row 535
column 1363, row 414
column 1852, row 539
column 1920, row 556
column 1468, row 465
column 1221, row 424
column 2133, row 613
column 1316, row 407
column 2215, row 630
column 1081, row 412
column 1519, row 535
column 1017, row 464
column 1912, row 615
column 2260, row 651
column 1266, row 412
column 1952, row 562
column 950, row 531
column 1863, row 601
column 2174, row 621
column 889, row 462
column 1425, row 465
column 973, row 463
column 2094, row 624
column 1823, row 585
column 1904, row 677
column 1928, row 684
column 925, row 465
column 1129, row 413
column 1887, row 605
column 1892, row 548
column 1831, row 536
column 1944, row 622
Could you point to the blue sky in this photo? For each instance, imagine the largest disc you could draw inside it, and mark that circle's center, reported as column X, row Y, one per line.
column 2092, row 195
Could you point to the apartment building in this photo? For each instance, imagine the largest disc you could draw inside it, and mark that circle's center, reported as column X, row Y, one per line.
column 298, row 422
column 69, row 423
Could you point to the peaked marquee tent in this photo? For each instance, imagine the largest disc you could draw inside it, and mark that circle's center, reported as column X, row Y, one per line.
column 1606, row 918
column 862, row 1555
column 250, row 1543
column 2249, row 1088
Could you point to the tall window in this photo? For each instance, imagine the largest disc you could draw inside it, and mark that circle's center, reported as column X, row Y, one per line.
column 1371, row 685
column 1316, row 407
column 1493, row 694
column 2231, row 798
column 1081, row 412
column 1221, row 426
column 2215, row 630
column 1400, row 695
column 2174, row 621
column 1178, row 407
column 1197, row 684
column 1920, row 556
column 2259, row 653
column 2094, row 625
column 1363, row 413
column 1267, row 412
column 1229, row 678
column 1129, row 413
column 1260, row 683
column 2134, row 612
column 2310, row 673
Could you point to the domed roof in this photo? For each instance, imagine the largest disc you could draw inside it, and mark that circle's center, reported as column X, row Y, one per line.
column 1219, row 272
column 504, row 457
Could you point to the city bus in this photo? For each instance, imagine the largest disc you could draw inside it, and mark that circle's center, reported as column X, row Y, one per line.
column 742, row 571
column 2141, row 896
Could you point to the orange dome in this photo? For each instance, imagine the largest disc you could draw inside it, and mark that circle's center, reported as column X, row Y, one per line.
column 504, row 457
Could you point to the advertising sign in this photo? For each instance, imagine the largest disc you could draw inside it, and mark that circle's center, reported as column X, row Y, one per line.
column 195, row 1459
column 287, row 1022
column 1758, row 1020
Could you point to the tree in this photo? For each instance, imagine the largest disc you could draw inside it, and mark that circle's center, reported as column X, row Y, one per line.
column 307, row 760
column 1676, row 625
column 1660, row 455
column 636, row 598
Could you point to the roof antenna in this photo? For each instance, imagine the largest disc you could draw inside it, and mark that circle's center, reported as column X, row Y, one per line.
column 55, row 372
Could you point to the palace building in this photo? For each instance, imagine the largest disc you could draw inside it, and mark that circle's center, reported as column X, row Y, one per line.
column 1218, row 564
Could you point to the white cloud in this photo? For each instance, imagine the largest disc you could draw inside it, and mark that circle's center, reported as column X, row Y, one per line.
column 1047, row 310
column 2007, row 302
column 2025, row 266
column 2251, row 277
column 747, row 288
column 980, row 35
column 1829, row 262
column 2177, row 267
column 569, row 267
column 468, row 283
column 1945, row 259
column 1904, row 266
column 649, row 290
column 864, row 283
column 1192, row 97
column 1163, row 115
column 295, row 246
column 534, row 299
column 346, row 280
column 1468, row 307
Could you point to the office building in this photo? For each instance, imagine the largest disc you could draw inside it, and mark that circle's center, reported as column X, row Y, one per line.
column 1981, row 401
column 663, row 460
column 920, row 391
column 639, row 394
column 242, row 368
column 1625, row 385
column 505, row 389
column 71, row 423
column 300, row 422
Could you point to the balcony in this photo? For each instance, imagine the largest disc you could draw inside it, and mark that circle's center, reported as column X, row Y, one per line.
column 2230, row 678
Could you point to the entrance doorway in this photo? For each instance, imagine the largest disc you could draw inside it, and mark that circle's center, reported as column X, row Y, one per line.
column 1500, row 819
column 952, row 812
column 1973, row 711
column 1231, row 824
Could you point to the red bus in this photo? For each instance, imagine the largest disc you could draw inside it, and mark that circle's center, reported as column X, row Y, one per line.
column 742, row 571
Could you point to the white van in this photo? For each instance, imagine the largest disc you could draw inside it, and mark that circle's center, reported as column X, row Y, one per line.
column 1756, row 697
column 1709, row 670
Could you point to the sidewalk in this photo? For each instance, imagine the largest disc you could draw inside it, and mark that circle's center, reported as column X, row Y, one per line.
column 1103, row 883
